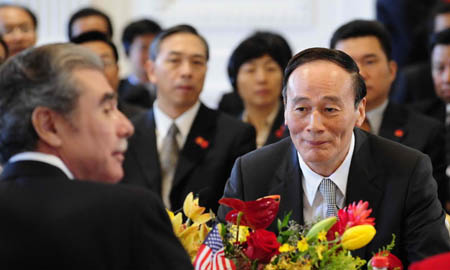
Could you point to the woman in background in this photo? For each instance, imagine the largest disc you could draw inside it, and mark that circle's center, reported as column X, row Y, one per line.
column 255, row 70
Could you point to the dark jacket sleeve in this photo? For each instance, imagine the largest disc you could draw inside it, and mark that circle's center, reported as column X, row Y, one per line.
column 425, row 233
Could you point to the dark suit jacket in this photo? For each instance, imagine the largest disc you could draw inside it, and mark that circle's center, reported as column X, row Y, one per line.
column 202, row 170
column 420, row 132
column 394, row 179
column 51, row 222
column 433, row 107
column 231, row 103
column 135, row 94
column 129, row 110
column 279, row 130
column 414, row 83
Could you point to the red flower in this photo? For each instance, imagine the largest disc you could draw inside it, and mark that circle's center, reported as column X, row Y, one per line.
column 279, row 132
column 262, row 245
column 393, row 261
column 353, row 215
column 257, row 214
column 202, row 142
column 399, row 133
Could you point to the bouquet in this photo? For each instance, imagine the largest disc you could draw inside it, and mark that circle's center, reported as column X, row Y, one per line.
column 244, row 243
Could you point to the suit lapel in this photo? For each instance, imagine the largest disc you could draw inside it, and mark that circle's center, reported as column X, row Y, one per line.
column 393, row 126
column 288, row 183
column 361, row 183
column 198, row 142
column 147, row 152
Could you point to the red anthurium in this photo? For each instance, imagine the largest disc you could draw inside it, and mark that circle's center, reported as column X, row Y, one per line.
column 353, row 215
column 393, row 261
column 257, row 214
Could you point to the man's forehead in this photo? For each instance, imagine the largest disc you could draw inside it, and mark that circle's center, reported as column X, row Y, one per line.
column 10, row 13
column 183, row 43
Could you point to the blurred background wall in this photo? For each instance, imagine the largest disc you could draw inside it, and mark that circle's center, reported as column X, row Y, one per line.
column 224, row 23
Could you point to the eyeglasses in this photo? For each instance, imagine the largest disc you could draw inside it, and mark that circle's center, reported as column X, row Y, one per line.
column 23, row 28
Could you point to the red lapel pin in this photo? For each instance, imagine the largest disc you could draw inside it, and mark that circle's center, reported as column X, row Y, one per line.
column 399, row 133
column 202, row 142
column 279, row 132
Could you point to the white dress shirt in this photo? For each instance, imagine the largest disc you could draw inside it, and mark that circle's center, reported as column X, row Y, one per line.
column 45, row 158
column 183, row 122
column 314, row 205
column 375, row 117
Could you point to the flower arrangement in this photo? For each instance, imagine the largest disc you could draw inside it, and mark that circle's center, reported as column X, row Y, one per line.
column 244, row 243
column 193, row 231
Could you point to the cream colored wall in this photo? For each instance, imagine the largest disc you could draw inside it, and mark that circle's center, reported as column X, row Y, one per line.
column 224, row 23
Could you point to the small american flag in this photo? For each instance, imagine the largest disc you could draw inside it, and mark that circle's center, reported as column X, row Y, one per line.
column 211, row 255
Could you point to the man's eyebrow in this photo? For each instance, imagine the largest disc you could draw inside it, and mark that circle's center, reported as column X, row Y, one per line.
column 108, row 97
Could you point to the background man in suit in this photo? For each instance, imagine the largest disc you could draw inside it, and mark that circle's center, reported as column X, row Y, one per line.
column 324, row 99
column 89, row 19
column 107, row 51
column 18, row 27
column 368, row 43
column 136, row 40
column 180, row 145
column 60, row 129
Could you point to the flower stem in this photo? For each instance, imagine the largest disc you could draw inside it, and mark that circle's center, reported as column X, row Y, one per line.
column 238, row 222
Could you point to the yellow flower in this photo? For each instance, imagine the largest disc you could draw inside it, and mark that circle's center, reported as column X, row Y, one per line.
column 193, row 211
column 319, row 250
column 358, row 236
column 243, row 233
column 302, row 245
column 177, row 222
column 286, row 248
column 322, row 236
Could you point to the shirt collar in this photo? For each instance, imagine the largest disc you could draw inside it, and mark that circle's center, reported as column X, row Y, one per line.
column 183, row 122
column 375, row 117
column 339, row 177
column 45, row 158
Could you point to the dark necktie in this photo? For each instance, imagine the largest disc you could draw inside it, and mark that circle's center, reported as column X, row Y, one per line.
column 168, row 158
column 328, row 190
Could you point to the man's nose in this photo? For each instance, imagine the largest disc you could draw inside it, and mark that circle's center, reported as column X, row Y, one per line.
column 315, row 123
column 186, row 68
column 126, row 128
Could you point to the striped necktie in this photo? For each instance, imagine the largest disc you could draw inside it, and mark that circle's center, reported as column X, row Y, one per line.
column 168, row 158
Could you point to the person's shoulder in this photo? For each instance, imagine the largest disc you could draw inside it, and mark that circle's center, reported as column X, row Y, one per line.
column 225, row 120
column 274, row 151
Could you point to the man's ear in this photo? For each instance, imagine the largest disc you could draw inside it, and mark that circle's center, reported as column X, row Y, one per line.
column 44, row 123
column 150, row 70
column 361, row 112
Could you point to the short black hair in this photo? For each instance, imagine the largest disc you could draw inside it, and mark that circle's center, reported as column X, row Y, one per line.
column 27, row 10
column 86, row 12
column 440, row 38
column 96, row 36
column 138, row 28
column 334, row 56
column 440, row 8
column 363, row 28
column 182, row 28
column 256, row 45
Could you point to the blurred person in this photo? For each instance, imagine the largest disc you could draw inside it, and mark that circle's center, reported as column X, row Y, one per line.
column 415, row 82
column 64, row 141
column 107, row 51
column 136, row 39
column 89, row 19
column 18, row 27
column 328, row 162
column 255, row 70
column 368, row 43
column 4, row 53
column 180, row 145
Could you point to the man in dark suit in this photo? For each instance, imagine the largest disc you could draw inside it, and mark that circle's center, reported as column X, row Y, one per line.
column 180, row 145
column 324, row 99
column 368, row 43
column 60, row 132
column 107, row 51
column 136, row 39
